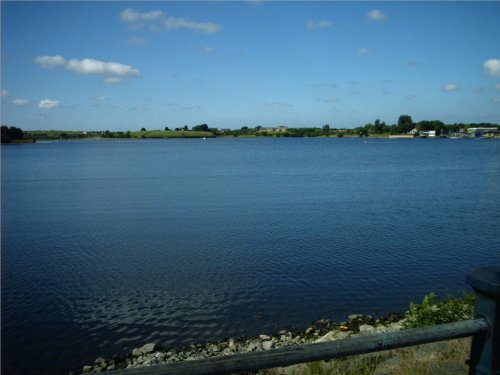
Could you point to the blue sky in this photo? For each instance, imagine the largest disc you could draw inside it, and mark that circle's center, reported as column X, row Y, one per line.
column 127, row 65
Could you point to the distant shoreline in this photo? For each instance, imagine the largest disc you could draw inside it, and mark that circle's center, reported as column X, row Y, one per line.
column 98, row 139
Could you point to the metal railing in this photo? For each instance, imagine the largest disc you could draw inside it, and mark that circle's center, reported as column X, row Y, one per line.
column 484, row 329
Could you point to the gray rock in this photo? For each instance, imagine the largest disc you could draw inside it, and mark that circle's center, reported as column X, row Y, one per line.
column 395, row 326
column 136, row 352
column 328, row 337
column 148, row 362
column 87, row 368
column 334, row 335
column 111, row 367
column 354, row 317
column 342, row 335
column 264, row 337
column 366, row 329
column 254, row 346
column 231, row 345
column 148, row 348
column 266, row 345
column 160, row 355
column 215, row 348
column 381, row 329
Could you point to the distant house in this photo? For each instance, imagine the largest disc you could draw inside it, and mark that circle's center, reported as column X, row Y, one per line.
column 483, row 132
column 427, row 133
column 278, row 129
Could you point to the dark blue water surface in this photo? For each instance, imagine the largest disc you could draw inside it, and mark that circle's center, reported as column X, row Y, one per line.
column 109, row 245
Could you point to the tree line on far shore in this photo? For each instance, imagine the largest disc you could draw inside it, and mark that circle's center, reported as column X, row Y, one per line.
column 378, row 128
column 404, row 125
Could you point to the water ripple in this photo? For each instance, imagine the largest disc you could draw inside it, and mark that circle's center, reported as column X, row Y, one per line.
column 229, row 238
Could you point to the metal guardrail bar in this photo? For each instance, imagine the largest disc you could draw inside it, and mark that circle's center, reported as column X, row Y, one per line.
column 318, row 351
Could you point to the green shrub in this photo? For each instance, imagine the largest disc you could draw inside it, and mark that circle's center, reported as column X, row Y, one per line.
column 432, row 311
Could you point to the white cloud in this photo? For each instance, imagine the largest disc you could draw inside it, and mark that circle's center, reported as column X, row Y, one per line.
column 208, row 49
column 112, row 72
column 182, row 23
column 48, row 103
column 496, row 100
column 318, row 25
column 136, row 41
column 156, row 17
column 363, row 51
column 50, row 61
column 91, row 66
column 20, row 102
column 376, row 15
column 492, row 67
column 4, row 93
column 409, row 97
column 449, row 87
column 132, row 15
column 497, row 86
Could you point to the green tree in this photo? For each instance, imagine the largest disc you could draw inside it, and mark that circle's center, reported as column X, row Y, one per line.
column 202, row 127
column 143, row 129
column 438, row 126
column 10, row 134
column 405, row 124
column 326, row 129
column 378, row 127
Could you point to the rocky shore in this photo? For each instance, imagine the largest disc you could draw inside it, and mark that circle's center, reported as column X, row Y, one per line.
column 319, row 331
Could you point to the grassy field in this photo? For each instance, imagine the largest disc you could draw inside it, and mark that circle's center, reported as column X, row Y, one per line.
column 67, row 134
column 53, row 134
column 444, row 358
column 171, row 134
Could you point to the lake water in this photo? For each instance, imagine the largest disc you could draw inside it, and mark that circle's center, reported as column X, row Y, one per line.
column 107, row 245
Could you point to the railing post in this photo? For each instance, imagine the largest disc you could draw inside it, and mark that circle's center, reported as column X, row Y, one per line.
column 485, row 349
